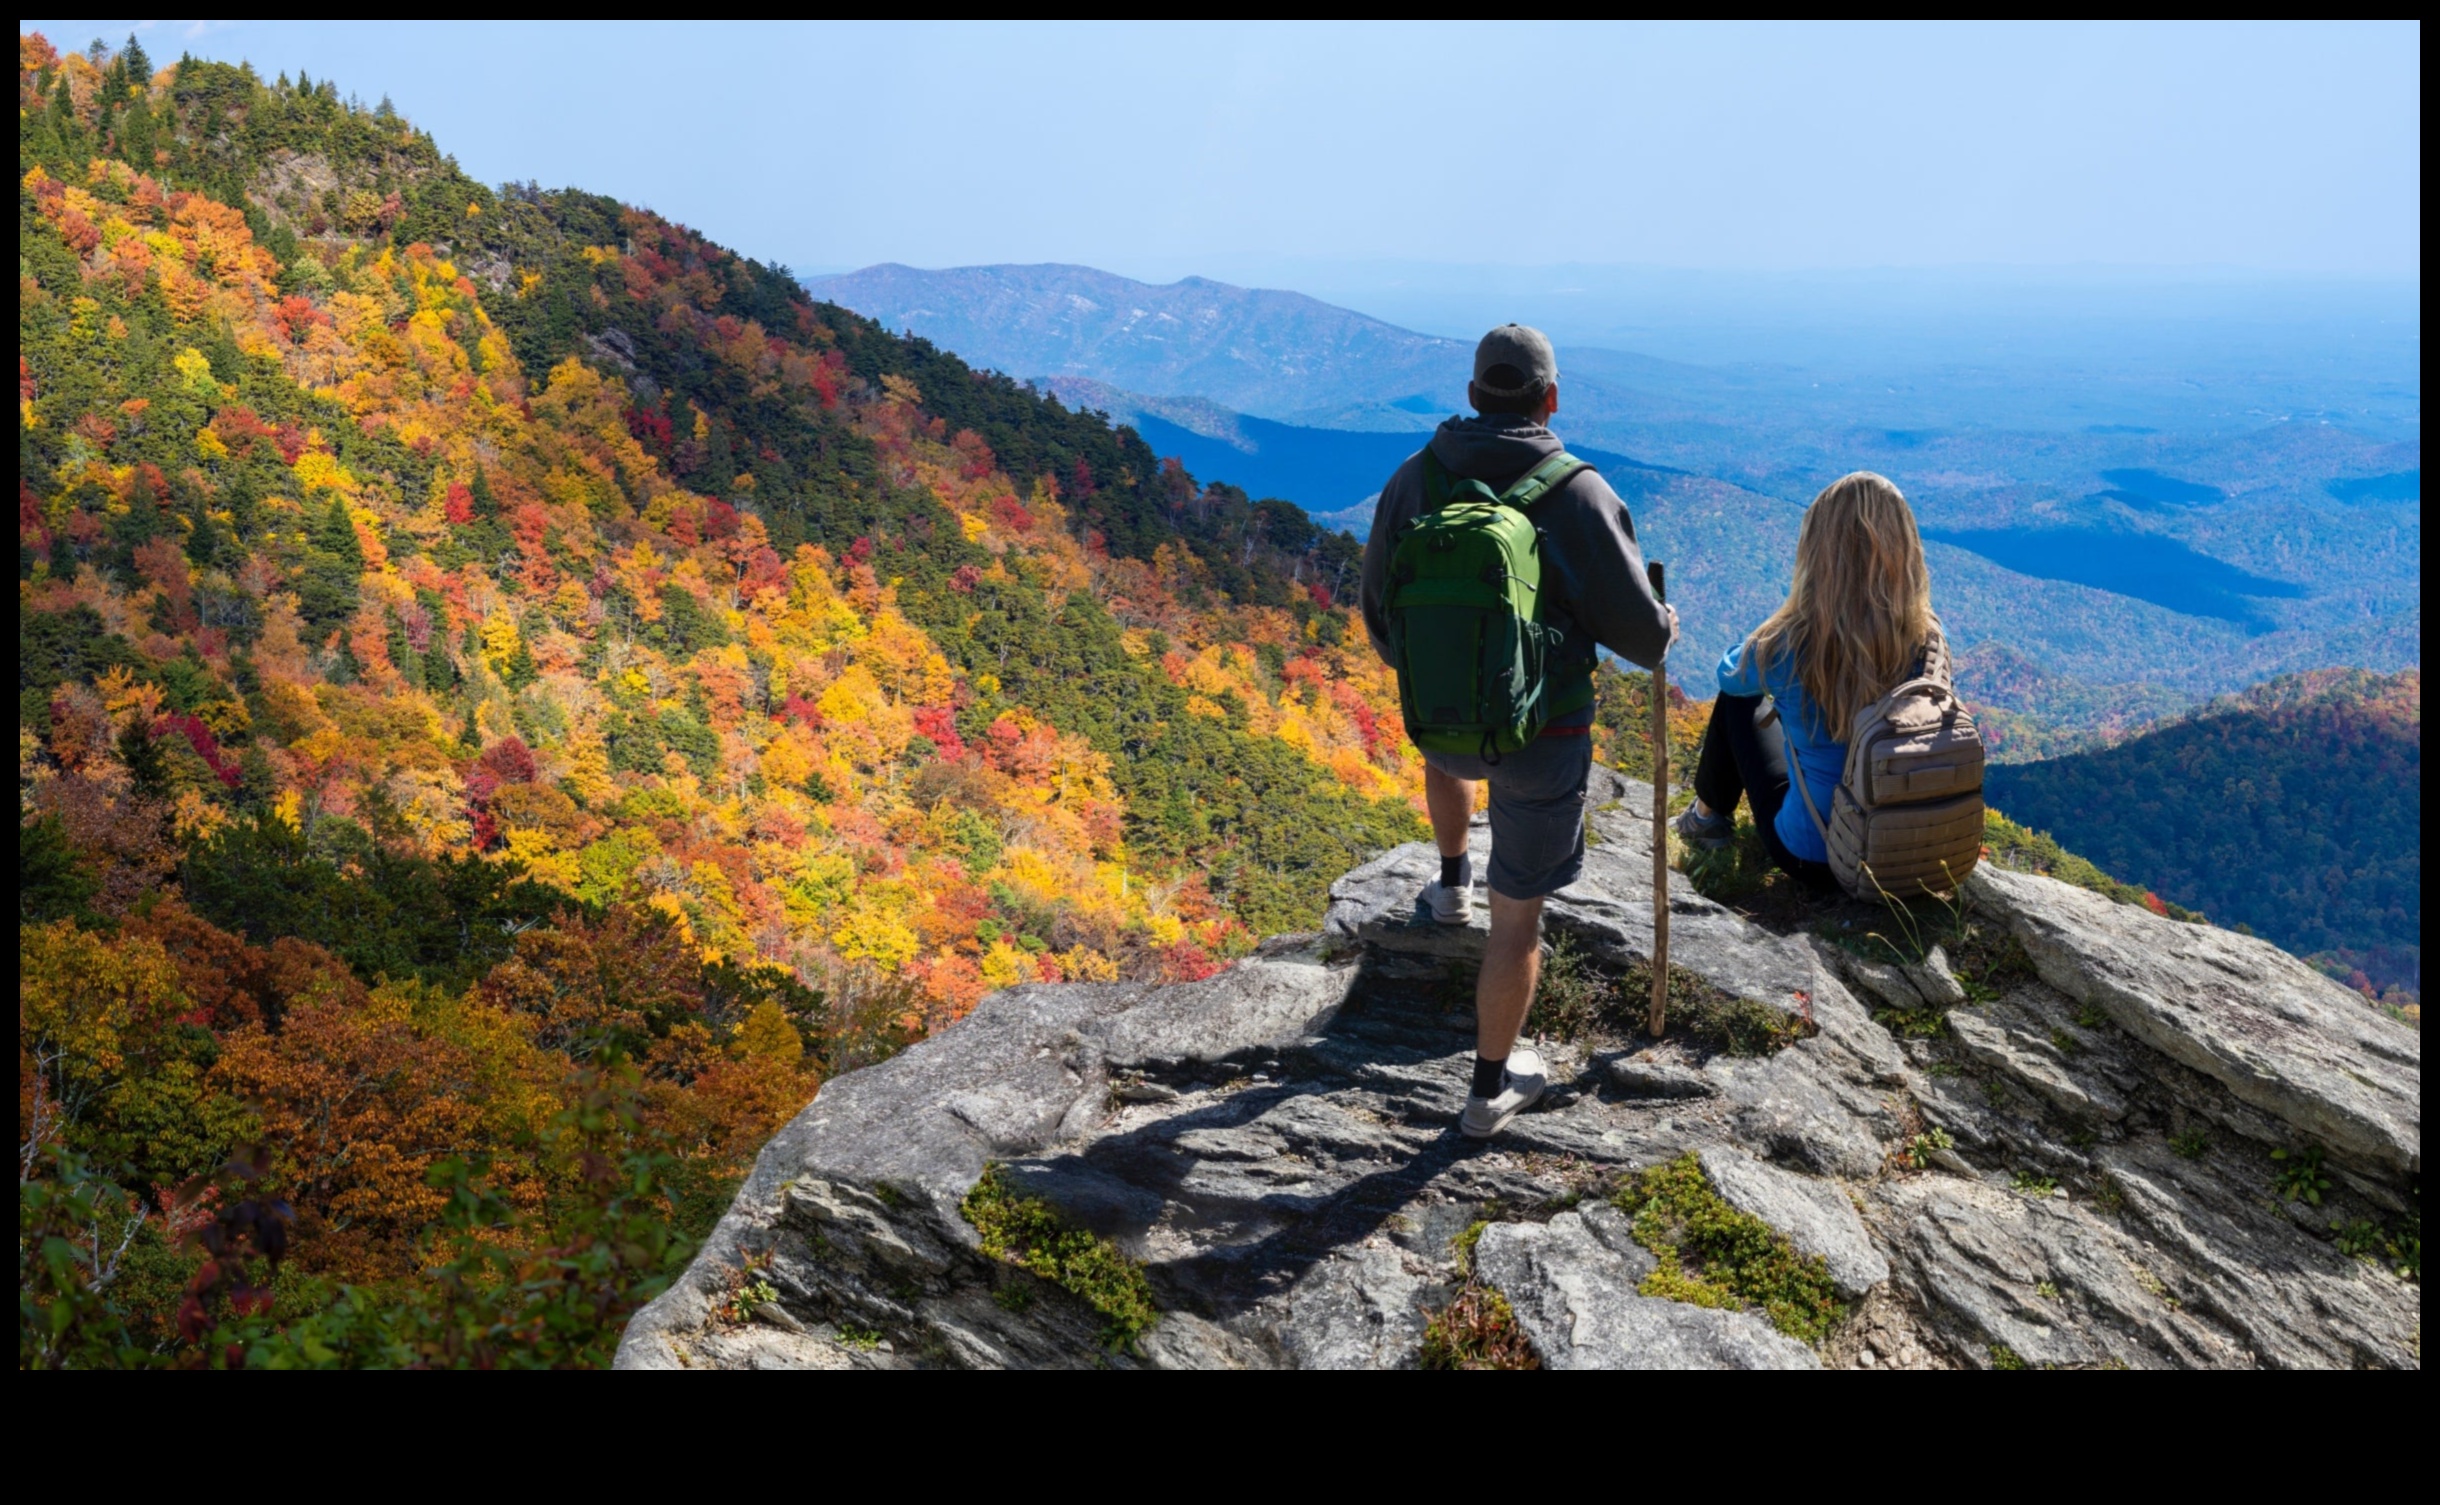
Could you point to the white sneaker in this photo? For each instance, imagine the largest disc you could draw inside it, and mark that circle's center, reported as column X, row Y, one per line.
column 1521, row 1086
column 1452, row 905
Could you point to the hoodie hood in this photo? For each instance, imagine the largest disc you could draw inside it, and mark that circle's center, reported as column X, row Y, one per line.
column 1493, row 448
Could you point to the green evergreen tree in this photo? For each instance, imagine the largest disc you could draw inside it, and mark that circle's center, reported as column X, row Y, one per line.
column 521, row 669
column 335, row 535
column 147, row 769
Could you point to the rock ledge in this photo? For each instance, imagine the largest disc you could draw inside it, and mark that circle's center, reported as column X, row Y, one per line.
column 1275, row 1145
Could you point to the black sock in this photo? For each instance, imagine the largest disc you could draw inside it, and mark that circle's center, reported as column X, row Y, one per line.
column 1453, row 871
column 1487, row 1076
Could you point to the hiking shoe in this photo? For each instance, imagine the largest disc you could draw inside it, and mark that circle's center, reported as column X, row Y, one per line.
column 1451, row 905
column 1521, row 1087
column 1712, row 831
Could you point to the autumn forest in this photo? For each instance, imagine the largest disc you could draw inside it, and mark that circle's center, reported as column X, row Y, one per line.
column 512, row 693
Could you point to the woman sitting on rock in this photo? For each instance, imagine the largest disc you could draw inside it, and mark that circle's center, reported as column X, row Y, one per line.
column 1857, row 620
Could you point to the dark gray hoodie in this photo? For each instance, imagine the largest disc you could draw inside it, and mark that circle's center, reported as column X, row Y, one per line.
column 1590, row 564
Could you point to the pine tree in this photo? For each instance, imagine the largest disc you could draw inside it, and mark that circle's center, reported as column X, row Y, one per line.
column 139, row 67
column 521, row 670
column 335, row 535
column 486, row 505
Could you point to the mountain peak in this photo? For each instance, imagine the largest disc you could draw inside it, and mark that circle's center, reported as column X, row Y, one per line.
column 1273, row 354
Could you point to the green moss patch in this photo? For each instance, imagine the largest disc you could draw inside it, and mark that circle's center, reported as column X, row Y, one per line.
column 1477, row 1330
column 1029, row 1233
column 1713, row 1255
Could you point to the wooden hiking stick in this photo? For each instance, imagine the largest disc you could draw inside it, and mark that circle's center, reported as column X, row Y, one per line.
column 1659, row 1018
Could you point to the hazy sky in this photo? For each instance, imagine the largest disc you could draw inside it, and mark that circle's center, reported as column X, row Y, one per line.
column 1158, row 150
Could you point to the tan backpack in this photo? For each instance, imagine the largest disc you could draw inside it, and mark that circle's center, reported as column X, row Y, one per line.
column 1907, row 815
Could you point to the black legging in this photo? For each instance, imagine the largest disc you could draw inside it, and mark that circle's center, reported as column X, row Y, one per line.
column 1740, row 761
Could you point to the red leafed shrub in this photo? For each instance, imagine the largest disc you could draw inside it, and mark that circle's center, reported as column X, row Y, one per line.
column 939, row 725
column 964, row 579
column 828, row 376
column 295, row 314
column 207, row 747
column 650, row 426
column 81, row 234
column 29, row 517
column 509, row 760
column 1186, row 962
column 459, row 503
column 765, row 570
column 240, row 430
column 974, row 457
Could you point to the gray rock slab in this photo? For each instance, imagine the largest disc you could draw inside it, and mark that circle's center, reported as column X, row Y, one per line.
column 1645, row 1076
column 2279, row 1034
column 1815, row 1216
column 1575, row 1298
column 1273, row 998
column 1915, row 985
column 1795, row 1105
column 2036, row 1060
column 1362, row 1309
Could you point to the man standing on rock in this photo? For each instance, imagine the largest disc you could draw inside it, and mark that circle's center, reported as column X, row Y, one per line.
column 1591, row 591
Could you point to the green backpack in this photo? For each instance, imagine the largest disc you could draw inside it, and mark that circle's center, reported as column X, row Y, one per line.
column 1474, row 660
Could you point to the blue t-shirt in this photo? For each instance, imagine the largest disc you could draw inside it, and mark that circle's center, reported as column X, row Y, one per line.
column 1817, row 758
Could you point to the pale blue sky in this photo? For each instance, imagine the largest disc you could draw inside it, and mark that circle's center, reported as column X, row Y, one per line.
column 1159, row 150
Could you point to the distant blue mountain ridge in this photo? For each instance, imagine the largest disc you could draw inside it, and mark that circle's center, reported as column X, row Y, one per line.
column 1324, row 471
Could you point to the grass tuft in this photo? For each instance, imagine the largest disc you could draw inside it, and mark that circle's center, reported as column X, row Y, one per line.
column 1477, row 1330
column 1578, row 999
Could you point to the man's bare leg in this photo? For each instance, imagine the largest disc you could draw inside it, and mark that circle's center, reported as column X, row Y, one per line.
column 1512, row 965
column 1450, row 802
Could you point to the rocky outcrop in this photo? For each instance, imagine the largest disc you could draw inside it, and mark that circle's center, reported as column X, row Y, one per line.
column 2076, row 1169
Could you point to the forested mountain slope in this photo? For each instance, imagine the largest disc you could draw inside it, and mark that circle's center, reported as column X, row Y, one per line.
column 505, row 663
column 2295, row 809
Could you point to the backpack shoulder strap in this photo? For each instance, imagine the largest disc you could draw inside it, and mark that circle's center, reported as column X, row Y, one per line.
column 1542, row 480
column 1796, row 776
column 1934, row 663
column 1437, row 482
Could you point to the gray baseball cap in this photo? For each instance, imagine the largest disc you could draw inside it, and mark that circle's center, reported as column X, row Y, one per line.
column 1513, row 360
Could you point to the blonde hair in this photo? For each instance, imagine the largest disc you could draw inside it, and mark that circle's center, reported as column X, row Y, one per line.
column 1859, row 609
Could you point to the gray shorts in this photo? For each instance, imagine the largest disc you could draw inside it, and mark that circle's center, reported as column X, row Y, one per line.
column 1537, row 812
